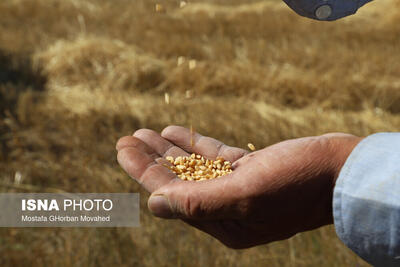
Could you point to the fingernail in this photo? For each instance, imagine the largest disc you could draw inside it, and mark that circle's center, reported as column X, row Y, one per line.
column 159, row 206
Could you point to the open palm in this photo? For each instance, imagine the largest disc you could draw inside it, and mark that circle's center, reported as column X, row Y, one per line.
column 271, row 195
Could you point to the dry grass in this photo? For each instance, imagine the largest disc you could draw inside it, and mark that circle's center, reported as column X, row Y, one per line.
column 77, row 75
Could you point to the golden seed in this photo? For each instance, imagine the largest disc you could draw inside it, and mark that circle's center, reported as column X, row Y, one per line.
column 182, row 4
column 251, row 146
column 181, row 60
column 197, row 168
column 166, row 98
column 188, row 95
column 192, row 64
column 159, row 8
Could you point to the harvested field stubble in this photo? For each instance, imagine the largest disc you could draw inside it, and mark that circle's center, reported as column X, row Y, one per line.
column 88, row 72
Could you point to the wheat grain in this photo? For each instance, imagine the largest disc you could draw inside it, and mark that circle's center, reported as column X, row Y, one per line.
column 192, row 64
column 251, row 146
column 159, row 8
column 181, row 60
column 197, row 168
column 166, row 98
column 182, row 4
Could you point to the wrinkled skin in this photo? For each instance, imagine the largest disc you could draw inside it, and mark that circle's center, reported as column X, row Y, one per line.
column 272, row 194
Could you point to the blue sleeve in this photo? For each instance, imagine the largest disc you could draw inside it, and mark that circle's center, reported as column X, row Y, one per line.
column 366, row 200
column 325, row 9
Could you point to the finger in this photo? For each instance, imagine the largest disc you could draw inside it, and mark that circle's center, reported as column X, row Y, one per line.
column 203, row 145
column 131, row 141
column 156, row 176
column 205, row 200
column 162, row 146
column 150, row 173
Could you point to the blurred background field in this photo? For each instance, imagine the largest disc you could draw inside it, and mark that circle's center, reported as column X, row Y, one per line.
column 75, row 75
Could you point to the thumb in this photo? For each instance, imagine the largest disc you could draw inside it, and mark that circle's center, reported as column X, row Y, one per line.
column 208, row 200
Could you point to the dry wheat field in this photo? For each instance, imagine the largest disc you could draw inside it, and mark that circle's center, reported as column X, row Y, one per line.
column 75, row 75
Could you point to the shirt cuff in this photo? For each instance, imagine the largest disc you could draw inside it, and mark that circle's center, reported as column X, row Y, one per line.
column 366, row 200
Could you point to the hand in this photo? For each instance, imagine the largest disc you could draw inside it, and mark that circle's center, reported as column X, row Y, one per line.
column 272, row 194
